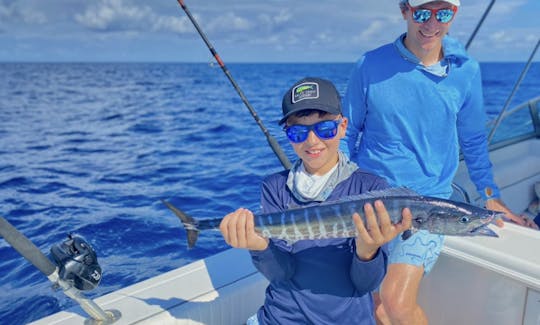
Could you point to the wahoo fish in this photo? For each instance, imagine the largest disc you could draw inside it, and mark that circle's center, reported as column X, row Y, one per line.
column 334, row 219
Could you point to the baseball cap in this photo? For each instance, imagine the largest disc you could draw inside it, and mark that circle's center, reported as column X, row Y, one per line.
column 416, row 3
column 311, row 93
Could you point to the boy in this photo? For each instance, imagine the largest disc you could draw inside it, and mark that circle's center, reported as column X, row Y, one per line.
column 324, row 281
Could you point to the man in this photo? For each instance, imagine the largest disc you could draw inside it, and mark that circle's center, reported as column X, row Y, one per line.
column 416, row 102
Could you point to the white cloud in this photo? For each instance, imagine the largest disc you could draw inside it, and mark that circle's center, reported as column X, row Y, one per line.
column 120, row 15
column 229, row 22
column 512, row 40
column 15, row 12
column 505, row 8
column 112, row 15
column 374, row 29
column 500, row 36
column 172, row 24
column 273, row 21
column 350, row 27
column 282, row 17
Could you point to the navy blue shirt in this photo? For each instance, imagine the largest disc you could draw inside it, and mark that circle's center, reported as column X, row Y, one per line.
column 317, row 281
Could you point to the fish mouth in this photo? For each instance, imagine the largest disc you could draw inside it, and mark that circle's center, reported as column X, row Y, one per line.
column 483, row 230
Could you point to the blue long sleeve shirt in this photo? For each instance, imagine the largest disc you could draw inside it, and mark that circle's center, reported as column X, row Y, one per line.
column 407, row 124
column 317, row 281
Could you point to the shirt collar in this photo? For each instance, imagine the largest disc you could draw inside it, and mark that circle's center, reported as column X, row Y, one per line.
column 439, row 69
column 345, row 168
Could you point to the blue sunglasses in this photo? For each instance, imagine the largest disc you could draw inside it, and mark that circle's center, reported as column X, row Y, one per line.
column 421, row 15
column 325, row 130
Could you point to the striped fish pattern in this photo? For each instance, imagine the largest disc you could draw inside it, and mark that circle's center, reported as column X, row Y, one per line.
column 334, row 219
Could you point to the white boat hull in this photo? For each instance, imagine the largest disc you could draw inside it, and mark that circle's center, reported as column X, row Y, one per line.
column 464, row 287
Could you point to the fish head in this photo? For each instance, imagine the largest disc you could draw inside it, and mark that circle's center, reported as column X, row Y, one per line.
column 456, row 222
column 476, row 224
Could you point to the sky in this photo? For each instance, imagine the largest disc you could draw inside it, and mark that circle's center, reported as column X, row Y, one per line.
column 243, row 30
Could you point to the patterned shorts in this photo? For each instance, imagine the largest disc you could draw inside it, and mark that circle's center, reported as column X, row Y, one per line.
column 421, row 249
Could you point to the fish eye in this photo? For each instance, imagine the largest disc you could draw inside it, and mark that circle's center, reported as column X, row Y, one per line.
column 464, row 219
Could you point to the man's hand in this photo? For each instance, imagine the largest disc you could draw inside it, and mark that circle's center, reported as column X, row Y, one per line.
column 498, row 205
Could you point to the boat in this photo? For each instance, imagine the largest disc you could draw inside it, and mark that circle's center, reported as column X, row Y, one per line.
column 476, row 280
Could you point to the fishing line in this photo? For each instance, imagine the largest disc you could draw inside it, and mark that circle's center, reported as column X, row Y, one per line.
column 271, row 140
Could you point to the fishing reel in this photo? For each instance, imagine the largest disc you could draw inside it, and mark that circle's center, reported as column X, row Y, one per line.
column 77, row 263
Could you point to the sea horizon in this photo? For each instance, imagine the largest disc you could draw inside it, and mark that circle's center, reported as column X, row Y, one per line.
column 230, row 62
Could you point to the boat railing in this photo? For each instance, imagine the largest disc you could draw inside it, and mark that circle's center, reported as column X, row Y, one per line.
column 516, row 125
column 513, row 92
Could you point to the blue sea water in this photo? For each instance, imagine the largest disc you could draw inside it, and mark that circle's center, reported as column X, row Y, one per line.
column 92, row 148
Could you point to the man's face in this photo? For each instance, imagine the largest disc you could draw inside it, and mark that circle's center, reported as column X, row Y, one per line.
column 427, row 36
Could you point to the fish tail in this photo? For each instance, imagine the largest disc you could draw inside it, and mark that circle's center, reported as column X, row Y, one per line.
column 189, row 223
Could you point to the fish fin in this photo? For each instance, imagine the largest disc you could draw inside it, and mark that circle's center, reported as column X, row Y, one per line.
column 483, row 231
column 388, row 192
column 407, row 234
column 189, row 223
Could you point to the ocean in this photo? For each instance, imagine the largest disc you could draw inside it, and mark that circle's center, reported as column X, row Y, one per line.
column 92, row 148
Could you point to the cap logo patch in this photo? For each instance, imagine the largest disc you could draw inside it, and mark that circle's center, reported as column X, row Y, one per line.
column 306, row 90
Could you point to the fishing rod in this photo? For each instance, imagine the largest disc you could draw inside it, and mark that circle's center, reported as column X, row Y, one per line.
column 76, row 269
column 271, row 140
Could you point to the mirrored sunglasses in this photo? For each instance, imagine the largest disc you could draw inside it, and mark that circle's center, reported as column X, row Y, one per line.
column 325, row 130
column 422, row 15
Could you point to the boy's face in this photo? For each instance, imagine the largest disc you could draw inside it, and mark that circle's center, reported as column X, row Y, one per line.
column 319, row 156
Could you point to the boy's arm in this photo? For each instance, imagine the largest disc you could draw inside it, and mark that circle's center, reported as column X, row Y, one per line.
column 368, row 275
column 275, row 262
column 369, row 265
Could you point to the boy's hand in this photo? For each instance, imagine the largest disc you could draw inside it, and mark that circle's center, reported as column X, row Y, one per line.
column 238, row 230
column 379, row 230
